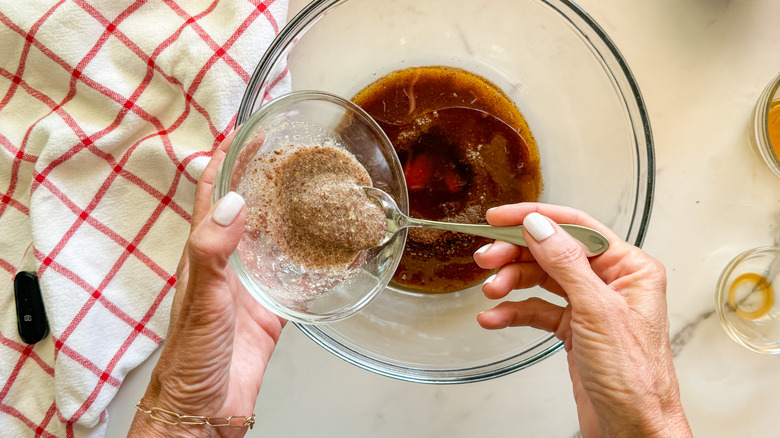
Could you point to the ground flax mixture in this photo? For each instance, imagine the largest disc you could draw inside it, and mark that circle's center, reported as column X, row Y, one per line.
column 312, row 206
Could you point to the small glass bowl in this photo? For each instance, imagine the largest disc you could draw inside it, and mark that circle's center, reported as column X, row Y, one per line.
column 745, row 300
column 311, row 118
column 759, row 136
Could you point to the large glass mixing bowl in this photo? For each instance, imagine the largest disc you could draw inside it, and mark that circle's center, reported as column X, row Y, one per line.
column 583, row 107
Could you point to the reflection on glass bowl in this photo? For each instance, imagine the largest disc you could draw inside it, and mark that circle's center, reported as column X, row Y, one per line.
column 582, row 105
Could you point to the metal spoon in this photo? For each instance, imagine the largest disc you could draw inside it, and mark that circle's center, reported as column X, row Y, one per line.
column 594, row 242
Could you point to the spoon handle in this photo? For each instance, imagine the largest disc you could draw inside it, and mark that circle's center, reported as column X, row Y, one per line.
column 594, row 242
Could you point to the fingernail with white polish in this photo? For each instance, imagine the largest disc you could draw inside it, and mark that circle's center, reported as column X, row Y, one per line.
column 539, row 226
column 483, row 249
column 228, row 209
column 489, row 279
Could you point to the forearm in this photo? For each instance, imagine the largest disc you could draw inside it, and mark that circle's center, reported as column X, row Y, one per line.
column 145, row 427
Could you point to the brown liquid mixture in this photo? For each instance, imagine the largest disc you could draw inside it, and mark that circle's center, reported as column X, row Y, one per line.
column 457, row 165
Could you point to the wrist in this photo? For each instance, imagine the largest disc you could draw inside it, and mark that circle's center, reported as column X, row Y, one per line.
column 169, row 409
column 669, row 418
column 668, row 423
column 145, row 426
column 643, row 405
column 649, row 416
column 148, row 424
column 174, row 386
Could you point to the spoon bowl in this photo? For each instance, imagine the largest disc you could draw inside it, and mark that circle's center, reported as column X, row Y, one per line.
column 594, row 243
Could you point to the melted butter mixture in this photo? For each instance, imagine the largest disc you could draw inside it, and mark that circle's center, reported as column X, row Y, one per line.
column 457, row 165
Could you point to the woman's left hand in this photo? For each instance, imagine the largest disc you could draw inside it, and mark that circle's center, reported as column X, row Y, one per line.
column 220, row 339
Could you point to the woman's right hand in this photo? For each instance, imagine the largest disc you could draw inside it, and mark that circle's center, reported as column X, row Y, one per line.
column 614, row 327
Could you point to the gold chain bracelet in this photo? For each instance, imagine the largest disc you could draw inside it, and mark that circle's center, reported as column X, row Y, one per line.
column 174, row 419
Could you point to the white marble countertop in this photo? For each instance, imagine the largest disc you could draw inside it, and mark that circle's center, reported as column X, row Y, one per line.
column 700, row 65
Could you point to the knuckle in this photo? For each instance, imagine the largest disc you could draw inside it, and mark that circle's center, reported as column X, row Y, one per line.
column 658, row 266
column 653, row 268
column 566, row 255
column 535, row 301
column 198, row 247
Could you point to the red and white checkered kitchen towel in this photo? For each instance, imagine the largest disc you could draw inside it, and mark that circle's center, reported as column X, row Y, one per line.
column 109, row 110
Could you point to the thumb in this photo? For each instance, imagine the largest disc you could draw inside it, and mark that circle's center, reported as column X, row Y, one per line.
column 215, row 238
column 561, row 257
